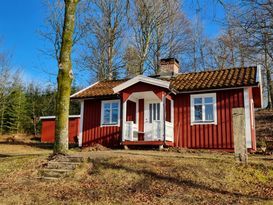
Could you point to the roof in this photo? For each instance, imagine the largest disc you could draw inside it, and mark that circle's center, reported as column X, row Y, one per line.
column 101, row 88
column 194, row 81
column 225, row 78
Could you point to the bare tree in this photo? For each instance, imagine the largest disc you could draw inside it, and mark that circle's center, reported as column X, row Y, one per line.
column 65, row 77
column 170, row 37
column 147, row 16
column 131, row 61
column 255, row 20
column 53, row 26
column 106, row 23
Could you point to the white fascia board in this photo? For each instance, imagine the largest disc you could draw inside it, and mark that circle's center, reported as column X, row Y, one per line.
column 84, row 89
column 53, row 117
column 144, row 79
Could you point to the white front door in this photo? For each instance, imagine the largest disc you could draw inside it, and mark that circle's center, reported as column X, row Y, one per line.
column 152, row 113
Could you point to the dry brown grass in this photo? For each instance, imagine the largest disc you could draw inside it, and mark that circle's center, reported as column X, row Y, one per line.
column 141, row 177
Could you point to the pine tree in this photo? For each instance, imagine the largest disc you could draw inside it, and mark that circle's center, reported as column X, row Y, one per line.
column 15, row 113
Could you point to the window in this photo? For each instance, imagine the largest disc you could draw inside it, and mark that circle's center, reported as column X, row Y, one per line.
column 154, row 112
column 203, row 109
column 110, row 112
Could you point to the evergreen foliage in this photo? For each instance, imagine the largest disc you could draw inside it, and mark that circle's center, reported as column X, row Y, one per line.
column 21, row 105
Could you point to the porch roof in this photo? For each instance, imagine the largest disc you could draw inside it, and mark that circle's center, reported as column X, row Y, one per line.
column 185, row 82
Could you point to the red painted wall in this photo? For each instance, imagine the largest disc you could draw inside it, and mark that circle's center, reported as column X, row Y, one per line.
column 141, row 118
column 108, row 136
column 131, row 111
column 48, row 130
column 206, row 136
column 168, row 110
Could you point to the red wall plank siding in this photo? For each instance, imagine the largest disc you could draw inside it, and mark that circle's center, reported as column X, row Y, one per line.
column 168, row 110
column 141, row 118
column 131, row 111
column 48, row 130
column 108, row 136
column 218, row 136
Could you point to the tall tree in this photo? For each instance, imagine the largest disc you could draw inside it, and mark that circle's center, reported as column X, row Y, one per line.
column 170, row 37
column 254, row 19
column 147, row 15
column 65, row 77
column 103, row 52
column 15, row 112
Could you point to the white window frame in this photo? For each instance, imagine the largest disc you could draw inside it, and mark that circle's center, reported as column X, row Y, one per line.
column 102, row 113
column 214, row 99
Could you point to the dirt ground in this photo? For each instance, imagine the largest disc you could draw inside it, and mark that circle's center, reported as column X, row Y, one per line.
column 136, row 177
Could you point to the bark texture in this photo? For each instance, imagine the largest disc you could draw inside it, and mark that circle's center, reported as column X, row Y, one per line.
column 65, row 77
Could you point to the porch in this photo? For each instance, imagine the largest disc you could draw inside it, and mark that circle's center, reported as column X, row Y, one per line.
column 148, row 119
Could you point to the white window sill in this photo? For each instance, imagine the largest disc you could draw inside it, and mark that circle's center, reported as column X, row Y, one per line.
column 204, row 123
column 110, row 125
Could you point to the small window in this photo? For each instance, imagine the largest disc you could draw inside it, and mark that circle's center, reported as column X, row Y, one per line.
column 203, row 109
column 110, row 112
column 154, row 112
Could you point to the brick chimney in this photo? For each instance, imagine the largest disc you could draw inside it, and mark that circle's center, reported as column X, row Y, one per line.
column 169, row 67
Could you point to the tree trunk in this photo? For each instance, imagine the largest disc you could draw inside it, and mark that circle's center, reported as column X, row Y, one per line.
column 64, row 79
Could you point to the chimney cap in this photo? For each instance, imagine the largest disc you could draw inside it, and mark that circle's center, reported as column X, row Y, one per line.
column 169, row 60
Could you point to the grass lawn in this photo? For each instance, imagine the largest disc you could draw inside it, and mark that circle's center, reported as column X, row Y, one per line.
column 139, row 177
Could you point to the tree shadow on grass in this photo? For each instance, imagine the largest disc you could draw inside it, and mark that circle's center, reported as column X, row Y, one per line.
column 179, row 182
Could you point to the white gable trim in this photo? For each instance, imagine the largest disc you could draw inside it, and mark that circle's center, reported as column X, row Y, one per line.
column 84, row 89
column 144, row 79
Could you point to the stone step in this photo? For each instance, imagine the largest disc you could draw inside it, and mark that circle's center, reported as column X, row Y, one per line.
column 48, row 178
column 62, row 165
column 57, row 173
column 71, row 159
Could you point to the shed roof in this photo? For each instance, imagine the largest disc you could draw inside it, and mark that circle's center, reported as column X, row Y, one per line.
column 185, row 82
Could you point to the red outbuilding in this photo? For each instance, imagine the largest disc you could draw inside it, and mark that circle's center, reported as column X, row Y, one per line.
column 191, row 110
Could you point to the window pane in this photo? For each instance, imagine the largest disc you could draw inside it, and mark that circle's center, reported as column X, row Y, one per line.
column 114, row 105
column 114, row 116
column 106, row 106
column 198, row 112
column 197, row 101
column 209, row 112
column 158, row 111
column 106, row 113
column 208, row 100
column 154, row 111
column 151, row 112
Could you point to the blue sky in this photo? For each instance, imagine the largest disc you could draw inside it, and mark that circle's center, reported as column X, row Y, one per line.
column 21, row 20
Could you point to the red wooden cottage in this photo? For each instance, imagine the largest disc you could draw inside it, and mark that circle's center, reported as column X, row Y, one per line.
column 192, row 110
